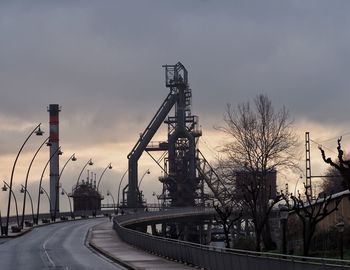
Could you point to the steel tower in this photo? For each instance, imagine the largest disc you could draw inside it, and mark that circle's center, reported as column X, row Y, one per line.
column 180, row 180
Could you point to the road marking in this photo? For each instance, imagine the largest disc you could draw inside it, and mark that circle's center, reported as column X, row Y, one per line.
column 47, row 254
column 45, row 250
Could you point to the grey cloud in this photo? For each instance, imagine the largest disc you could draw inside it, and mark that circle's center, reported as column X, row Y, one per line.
column 102, row 62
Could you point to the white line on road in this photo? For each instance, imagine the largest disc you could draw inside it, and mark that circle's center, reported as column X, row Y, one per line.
column 45, row 250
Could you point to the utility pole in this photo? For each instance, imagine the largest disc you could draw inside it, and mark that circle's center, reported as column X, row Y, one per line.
column 308, row 185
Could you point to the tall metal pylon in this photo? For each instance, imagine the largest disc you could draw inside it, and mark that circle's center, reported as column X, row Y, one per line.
column 308, row 185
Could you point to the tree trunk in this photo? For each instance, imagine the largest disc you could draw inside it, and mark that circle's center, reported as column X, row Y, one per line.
column 258, row 240
column 308, row 233
column 227, row 237
column 267, row 238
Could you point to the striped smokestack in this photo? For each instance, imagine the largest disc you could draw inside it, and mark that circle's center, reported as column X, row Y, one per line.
column 54, row 110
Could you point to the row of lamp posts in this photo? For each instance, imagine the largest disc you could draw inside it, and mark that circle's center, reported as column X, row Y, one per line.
column 4, row 230
column 9, row 186
column 25, row 191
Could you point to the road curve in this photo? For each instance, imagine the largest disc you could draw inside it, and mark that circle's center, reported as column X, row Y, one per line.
column 57, row 246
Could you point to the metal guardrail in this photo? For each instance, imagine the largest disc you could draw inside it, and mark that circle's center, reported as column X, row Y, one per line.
column 29, row 217
column 209, row 257
column 139, row 217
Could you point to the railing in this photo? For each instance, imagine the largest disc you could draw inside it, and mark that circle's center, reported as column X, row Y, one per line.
column 28, row 217
column 209, row 257
column 140, row 217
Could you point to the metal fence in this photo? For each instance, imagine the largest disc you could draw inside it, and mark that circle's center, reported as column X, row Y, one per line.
column 144, row 216
column 209, row 257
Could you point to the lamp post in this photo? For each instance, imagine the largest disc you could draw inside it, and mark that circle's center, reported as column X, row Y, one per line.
column 4, row 188
column 99, row 180
column 120, row 183
column 90, row 163
column 146, row 172
column 284, row 212
column 340, row 229
column 154, row 194
column 71, row 158
column 109, row 194
column 42, row 191
column 25, row 190
column 38, row 132
column 70, row 204
column 40, row 182
column 26, row 182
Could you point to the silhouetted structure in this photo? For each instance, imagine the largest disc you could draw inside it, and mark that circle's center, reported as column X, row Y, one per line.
column 54, row 110
column 268, row 182
column 86, row 198
column 181, row 183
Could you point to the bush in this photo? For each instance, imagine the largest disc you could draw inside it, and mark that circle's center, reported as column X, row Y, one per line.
column 245, row 243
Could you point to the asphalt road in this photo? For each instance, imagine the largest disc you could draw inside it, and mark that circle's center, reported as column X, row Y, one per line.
column 56, row 246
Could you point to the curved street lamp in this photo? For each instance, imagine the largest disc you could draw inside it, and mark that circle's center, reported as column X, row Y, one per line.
column 120, row 183
column 41, row 180
column 4, row 188
column 146, row 172
column 26, row 182
column 70, row 204
column 71, row 158
column 110, row 194
column 99, row 180
column 42, row 191
column 90, row 163
column 38, row 132
column 25, row 190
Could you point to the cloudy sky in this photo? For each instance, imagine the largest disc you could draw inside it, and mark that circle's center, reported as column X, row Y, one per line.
column 101, row 61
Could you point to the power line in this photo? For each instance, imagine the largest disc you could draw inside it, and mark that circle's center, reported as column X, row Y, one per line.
column 320, row 144
column 335, row 138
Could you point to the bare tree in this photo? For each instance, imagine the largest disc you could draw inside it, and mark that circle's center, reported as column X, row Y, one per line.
column 261, row 141
column 342, row 165
column 311, row 212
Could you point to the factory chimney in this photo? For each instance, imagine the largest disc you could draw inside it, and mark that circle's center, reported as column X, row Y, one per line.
column 54, row 110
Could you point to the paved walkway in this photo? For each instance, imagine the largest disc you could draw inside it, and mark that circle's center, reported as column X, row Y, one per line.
column 105, row 240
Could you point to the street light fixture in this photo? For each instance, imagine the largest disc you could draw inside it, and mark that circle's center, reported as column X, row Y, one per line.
column 90, row 163
column 154, row 194
column 38, row 132
column 109, row 194
column 70, row 204
column 109, row 166
column 25, row 190
column 120, row 183
column 26, row 181
column 40, row 182
column 42, row 191
column 284, row 212
column 146, row 172
column 4, row 188
column 71, row 158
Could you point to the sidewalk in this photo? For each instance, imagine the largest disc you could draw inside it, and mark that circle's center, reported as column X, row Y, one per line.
column 106, row 241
